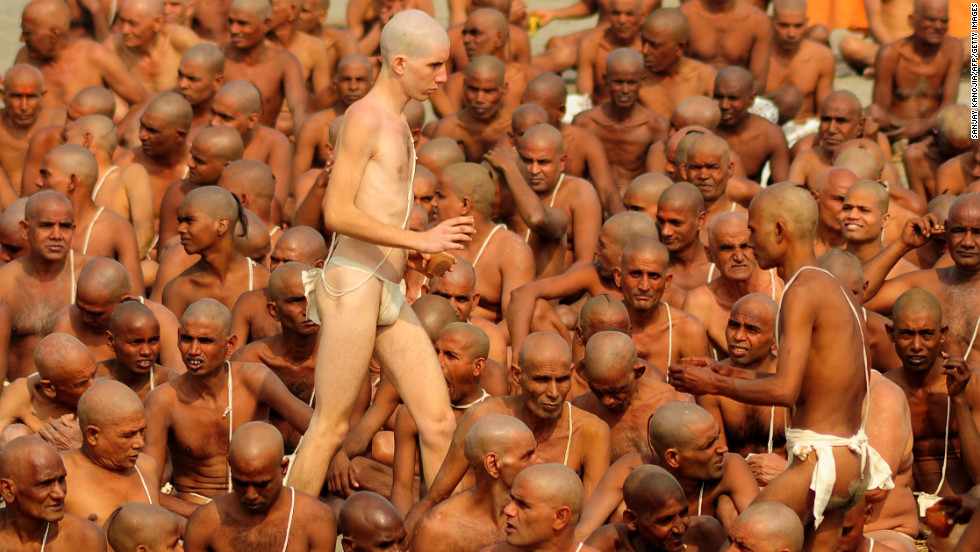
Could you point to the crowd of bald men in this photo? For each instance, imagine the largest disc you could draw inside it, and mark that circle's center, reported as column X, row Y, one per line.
column 164, row 169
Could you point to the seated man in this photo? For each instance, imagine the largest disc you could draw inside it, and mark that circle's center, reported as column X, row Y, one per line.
column 22, row 115
column 680, row 220
column 260, row 506
column 497, row 447
column 917, row 75
column 212, row 150
column 706, row 162
column 569, row 435
column 712, row 478
column 73, row 171
column 199, row 76
column 752, row 431
column 643, row 193
column 209, row 219
column 439, row 153
column 108, row 470
column 254, row 184
column 163, row 149
column 149, row 47
column 125, row 191
column 50, row 47
column 738, row 275
column 958, row 174
column 33, row 486
column 238, row 105
column 283, row 32
column 950, row 138
column 862, row 216
column 626, row 17
column 38, row 285
column 518, row 41
column 829, row 191
column 102, row 286
column 185, row 416
column 462, row 350
column 625, row 128
column 133, row 336
column 65, row 369
column 353, row 79
column 621, row 394
column 730, row 33
column 276, row 73
column 466, row 189
column 602, row 313
column 918, row 332
column 485, row 33
column 756, row 140
column 585, row 156
column 796, row 62
column 657, row 518
column 767, row 526
column 672, row 76
column 12, row 243
column 485, row 119
column 312, row 21
column 251, row 320
column 544, row 154
column 134, row 527
column 841, row 119
column 369, row 522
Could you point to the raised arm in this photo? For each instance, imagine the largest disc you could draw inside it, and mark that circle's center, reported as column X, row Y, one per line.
column 522, row 300
column 607, row 496
column 546, row 222
column 270, row 390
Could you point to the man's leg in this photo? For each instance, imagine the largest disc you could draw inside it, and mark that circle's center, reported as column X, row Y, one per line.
column 409, row 359
column 347, row 337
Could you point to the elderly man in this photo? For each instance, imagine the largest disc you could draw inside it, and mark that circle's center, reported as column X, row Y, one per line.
column 133, row 337
column 625, row 128
column 619, row 393
column 738, row 275
column 260, row 508
column 22, row 116
column 49, row 47
column 108, row 470
column 841, row 119
column 149, row 47
column 65, row 369
column 134, row 527
column 497, row 447
column 41, row 283
column 32, row 483
column 185, row 415
column 102, row 286
column 657, row 518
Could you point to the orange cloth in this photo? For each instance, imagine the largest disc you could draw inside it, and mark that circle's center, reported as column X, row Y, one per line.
column 838, row 14
column 959, row 18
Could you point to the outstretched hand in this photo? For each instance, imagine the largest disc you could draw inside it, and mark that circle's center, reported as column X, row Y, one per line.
column 448, row 235
column 918, row 231
column 691, row 375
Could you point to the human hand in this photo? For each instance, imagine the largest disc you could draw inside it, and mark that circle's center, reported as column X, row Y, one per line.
column 957, row 374
column 919, row 230
column 689, row 378
column 543, row 17
column 448, row 235
column 502, row 158
column 766, row 466
column 518, row 11
column 341, row 479
column 431, row 265
column 62, row 433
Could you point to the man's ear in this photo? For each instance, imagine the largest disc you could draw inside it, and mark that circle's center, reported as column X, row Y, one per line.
column 231, row 343
column 672, row 458
column 563, row 516
column 617, row 276
column 942, row 333
column 91, row 434
column 7, row 490
column 629, row 519
column 475, row 300
column 47, row 389
column 23, row 229
column 110, row 341
column 639, row 369
column 285, row 466
column 273, row 310
column 347, row 544
column 490, row 465
column 478, row 366
column 253, row 120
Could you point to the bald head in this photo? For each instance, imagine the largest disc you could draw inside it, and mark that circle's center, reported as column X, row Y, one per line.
column 93, row 100
column 625, row 60
column 789, row 6
column 434, row 313
column 476, row 343
column 131, row 313
column 99, row 131
column 486, row 66
column 217, row 203
column 252, row 238
column 542, row 347
column 670, row 426
column 548, row 91
column 134, row 525
column 876, row 191
column 789, row 205
column 915, row 301
column 257, row 445
column 493, row 20
column 209, row 310
column 845, row 99
column 710, row 145
column 844, row 266
column 526, row 116
column 609, row 355
column 938, row 207
column 544, row 134
column 953, row 124
column 23, row 74
column 472, row 181
column 224, row 142
column 644, row 191
column 736, row 79
column 555, row 484
column 859, row 161
column 462, row 274
column 252, row 181
column 174, row 110
column 726, row 223
column 671, row 22
column 412, row 34
column 49, row 14
column 683, row 194
column 601, row 313
column 834, row 178
column 648, row 487
column 696, row 110
column 284, row 275
column 21, row 456
column 43, row 200
column 104, row 278
column 261, row 8
column 365, row 513
column 439, row 153
column 493, row 434
column 772, row 523
column 77, row 162
column 301, row 244
column 106, row 403
column 245, row 96
column 60, row 353
column 648, row 247
column 414, row 113
column 208, row 55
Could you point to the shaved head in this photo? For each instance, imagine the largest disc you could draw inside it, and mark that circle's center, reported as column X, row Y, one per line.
column 683, row 193
column 261, row 8
column 106, row 402
column 43, row 199
column 174, row 109
column 609, row 355
column 133, row 525
column 670, row 425
column 953, row 124
column 737, row 77
column 772, row 523
column 247, row 98
column 726, row 223
column 486, row 66
column 670, row 20
column 255, row 444
column 844, row 266
column 439, row 153
column 208, row 55
column 101, row 129
column 434, row 313
column 130, row 313
column 284, row 273
column 859, row 161
column 59, row 352
column 93, row 100
column 414, row 113
column 543, row 347
column 472, row 181
column 544, row 134
column 875, row 190
column 105, row 278
column 364, row 514
column 23, row 74
column 696, row 111
column 787, row 204
column 710, row 144
column 548, row 91
column 462, row 273
column 477, row 344
column 252, row 181
column 644, row 191
column 53, row 13
column 603, row 313
column 645, row 246
column 834, row 177
column 76, row 161
column 526, row 116
column 209, row 310
column 556, row 485
column 648, row 487
column 493, row 434
column 413, row 34
column 301, row 244
column 917, row 300
column 218, row 203
column 225, row 142
column 624, row 59
column 786, row 6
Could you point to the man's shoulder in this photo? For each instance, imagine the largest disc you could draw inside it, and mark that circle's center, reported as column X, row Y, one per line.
column 81, row 532
column 588, row 419
column 590, row 117
column 815, row 50
column 271, row 136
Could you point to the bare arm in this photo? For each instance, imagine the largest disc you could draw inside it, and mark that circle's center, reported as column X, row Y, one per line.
column 875, row 24
column 354, row 150
column 280, row 162
column 457, row 12
column 550, row 224
column 586, row 222
column 296, row 94
column 885, row 63
column 139, row 192
column 740, row 483
column 964, row 395
column 517, row 270
column 595, row 460
column 200, row 529
column 578, row 9
column 759, row 58
column 271, row 391
column 117, row 77
column 5, row 328
column 798, row 168
column 585, row 80
column 825, row 79
column 403, row 469
column 355, row 17
column 158, row 419
column 127, row 253
column 779, row 157
column 601, row 174
column 309, row 211
column 306, row 141
column 555, row 287
column 607, row 495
